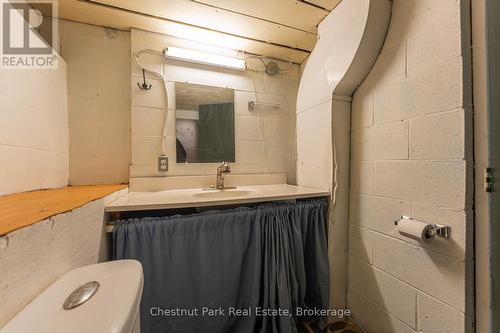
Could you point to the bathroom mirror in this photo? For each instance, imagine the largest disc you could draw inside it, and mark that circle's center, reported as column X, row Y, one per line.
column 204, row 123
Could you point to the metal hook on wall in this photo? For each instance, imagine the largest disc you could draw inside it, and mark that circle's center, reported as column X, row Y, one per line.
column 144, row 85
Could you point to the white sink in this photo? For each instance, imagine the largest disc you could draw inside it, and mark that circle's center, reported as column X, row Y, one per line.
column 197, row 197
column 227, row 193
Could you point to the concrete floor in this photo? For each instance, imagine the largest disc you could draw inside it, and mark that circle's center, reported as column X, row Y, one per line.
column 345, row 326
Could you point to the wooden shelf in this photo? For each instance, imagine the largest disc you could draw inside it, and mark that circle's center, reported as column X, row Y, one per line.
column 23, row 209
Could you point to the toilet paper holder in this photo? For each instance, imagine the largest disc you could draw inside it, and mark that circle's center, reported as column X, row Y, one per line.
column 435, row 229
column 440, row 231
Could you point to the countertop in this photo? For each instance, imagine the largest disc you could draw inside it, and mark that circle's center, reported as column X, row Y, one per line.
column 23, row 209
column 135, row 201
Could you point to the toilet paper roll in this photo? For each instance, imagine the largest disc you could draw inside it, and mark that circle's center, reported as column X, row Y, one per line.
column 416, row 229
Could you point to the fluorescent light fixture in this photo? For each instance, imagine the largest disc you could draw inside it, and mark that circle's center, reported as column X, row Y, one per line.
column 204, row 58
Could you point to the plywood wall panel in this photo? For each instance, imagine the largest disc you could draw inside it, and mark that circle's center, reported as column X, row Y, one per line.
column 326, row 4
column 219, row 20
column 119, row 19
column 297, row 14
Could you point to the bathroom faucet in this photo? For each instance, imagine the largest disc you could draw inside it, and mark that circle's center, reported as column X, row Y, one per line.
column 221, row 173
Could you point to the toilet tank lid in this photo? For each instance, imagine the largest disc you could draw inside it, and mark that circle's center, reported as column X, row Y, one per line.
column 113, row 308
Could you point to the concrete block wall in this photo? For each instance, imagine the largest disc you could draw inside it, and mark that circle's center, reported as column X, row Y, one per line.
column 98, row 102
column 411, row 154
column 265, row 138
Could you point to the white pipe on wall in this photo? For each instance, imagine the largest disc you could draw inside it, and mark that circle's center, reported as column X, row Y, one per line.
column 164, row 83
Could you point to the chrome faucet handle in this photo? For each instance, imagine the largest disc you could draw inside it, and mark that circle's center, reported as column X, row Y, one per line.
column 224, row 167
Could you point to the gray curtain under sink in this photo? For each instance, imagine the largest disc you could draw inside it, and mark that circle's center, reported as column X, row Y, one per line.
column 268, row 256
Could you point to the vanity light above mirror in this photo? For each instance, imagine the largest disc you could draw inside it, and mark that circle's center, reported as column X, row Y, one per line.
column 199, row 57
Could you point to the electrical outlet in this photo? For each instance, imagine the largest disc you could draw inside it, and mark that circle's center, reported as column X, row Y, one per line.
column 162, row 163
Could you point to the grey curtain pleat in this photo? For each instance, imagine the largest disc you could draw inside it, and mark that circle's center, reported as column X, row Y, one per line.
column 268, row 256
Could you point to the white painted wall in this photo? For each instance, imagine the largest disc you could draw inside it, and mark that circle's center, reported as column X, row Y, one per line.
column 411, row 154
column 481, row 161
column 493, row 10
column 486, row 48
column 350, row 40
column 265, row 139
column 35, row 256
column 33, row 129
column 99, row 103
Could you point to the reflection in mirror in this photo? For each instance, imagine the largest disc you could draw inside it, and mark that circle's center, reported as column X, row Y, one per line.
column 204, row 123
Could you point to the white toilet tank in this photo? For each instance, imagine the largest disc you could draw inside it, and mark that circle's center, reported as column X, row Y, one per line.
column 113, row 307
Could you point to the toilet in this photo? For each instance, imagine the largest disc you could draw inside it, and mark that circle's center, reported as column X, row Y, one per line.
column 100, row 298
